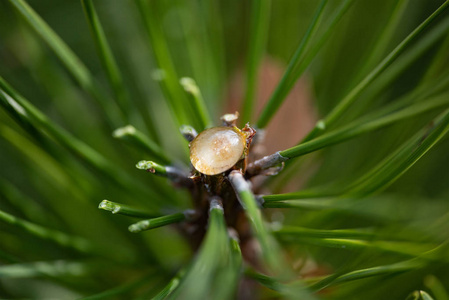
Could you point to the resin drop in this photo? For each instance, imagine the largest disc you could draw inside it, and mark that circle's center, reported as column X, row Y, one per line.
column 217, row 149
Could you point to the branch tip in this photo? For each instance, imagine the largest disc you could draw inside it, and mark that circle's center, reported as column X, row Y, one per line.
column 189, row 85
column 190, row 214
column 230, row 119
column 233, row 234
column 321, row 125
column 124, row 131
column 260, row 200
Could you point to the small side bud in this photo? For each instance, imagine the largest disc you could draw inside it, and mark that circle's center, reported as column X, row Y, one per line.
column 188, row 132
column 124, row 131
column 189, row 85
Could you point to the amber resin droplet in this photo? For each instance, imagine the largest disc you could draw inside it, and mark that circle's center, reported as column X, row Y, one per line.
column 217, row 149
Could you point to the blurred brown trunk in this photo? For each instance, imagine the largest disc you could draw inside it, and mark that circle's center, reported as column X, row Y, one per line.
column 294, row 119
